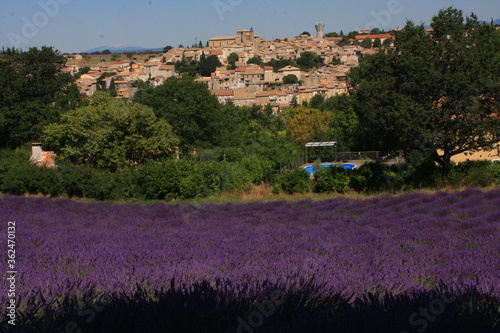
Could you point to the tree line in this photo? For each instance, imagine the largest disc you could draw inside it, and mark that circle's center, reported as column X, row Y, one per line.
column 432, row 96
column 206, row 65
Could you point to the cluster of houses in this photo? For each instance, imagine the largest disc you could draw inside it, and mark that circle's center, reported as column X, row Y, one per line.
column 247, row 84
column 124, row 75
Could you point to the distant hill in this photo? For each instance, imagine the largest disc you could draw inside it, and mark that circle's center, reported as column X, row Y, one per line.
column 120, row 48
column 496, row 22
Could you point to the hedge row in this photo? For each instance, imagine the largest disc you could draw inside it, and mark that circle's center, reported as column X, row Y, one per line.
column 170, row 179
column 166, row 179
column 377, row 177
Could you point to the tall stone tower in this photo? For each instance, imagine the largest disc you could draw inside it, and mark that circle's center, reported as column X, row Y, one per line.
column 320, row 29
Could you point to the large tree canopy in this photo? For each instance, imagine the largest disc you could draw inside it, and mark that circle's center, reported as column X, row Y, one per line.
column 111, row 134
column 309, row 60
column 189, row 107
column 34, row 93
column 307, row 124
column 434, row 92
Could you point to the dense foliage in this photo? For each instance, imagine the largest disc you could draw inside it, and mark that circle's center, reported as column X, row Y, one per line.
column 189, row 107
column 331, row 179
column 157, row 179
column 448, row 105
column 201, row 123
column 436, row 93
column 408, row 263
column 183, row 179
column 218, row 170
column 306, row 61
column 204, row 67
column 308, row 124
column 34, row 93
column 161, row 262
column 293, row 181
column 111, row 134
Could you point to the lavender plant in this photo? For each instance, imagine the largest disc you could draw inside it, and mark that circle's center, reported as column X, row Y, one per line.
column 386, row 245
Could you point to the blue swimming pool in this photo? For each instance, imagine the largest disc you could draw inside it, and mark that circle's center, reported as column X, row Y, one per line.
column 310, row 168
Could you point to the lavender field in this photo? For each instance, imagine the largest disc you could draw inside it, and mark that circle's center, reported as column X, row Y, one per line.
column 350, row 248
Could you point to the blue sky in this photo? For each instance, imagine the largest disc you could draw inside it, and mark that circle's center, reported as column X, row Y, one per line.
column 79, row 25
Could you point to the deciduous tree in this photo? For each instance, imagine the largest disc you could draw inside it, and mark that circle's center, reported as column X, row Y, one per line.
column 111, row 134
column 208, row 65
column 290, row 79
column 306, row 123
column 309, row 60
column 189, row 107
column 366, row 43
column 435, row 93
column 255, row 60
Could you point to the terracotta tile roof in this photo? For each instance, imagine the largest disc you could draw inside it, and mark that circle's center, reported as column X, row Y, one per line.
column 167, row 67
column 288, row 68
column 258, row 70
column 381, row 36
column 221, row 38
column 224, row 93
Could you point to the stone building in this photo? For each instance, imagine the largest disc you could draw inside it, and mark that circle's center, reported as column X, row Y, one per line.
column 243, row 37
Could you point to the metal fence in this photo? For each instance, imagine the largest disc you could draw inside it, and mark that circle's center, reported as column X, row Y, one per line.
column 384, row 157
column 357, row 155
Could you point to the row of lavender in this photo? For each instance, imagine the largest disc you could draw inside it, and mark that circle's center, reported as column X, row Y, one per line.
column 397, row 243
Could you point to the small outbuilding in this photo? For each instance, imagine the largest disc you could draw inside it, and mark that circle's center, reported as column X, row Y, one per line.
column 42, row 158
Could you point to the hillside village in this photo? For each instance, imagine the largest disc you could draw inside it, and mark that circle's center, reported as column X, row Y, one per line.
column 247, row 84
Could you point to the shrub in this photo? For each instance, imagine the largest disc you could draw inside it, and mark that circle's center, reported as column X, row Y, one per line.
column 495, row 169
column 290, row 79
column 19, row 176
column 425, row 175
column 196, row 179
column 472, row 174
column 160, row 180
column 78, row 180
column 257, row 167
column 210, row 155
column 369, row 177
column 233, row 154
column 184, row 179
column 331, row 179
column 377, row 177
column 294, row 181
column 230, row 176
column 359, row 178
